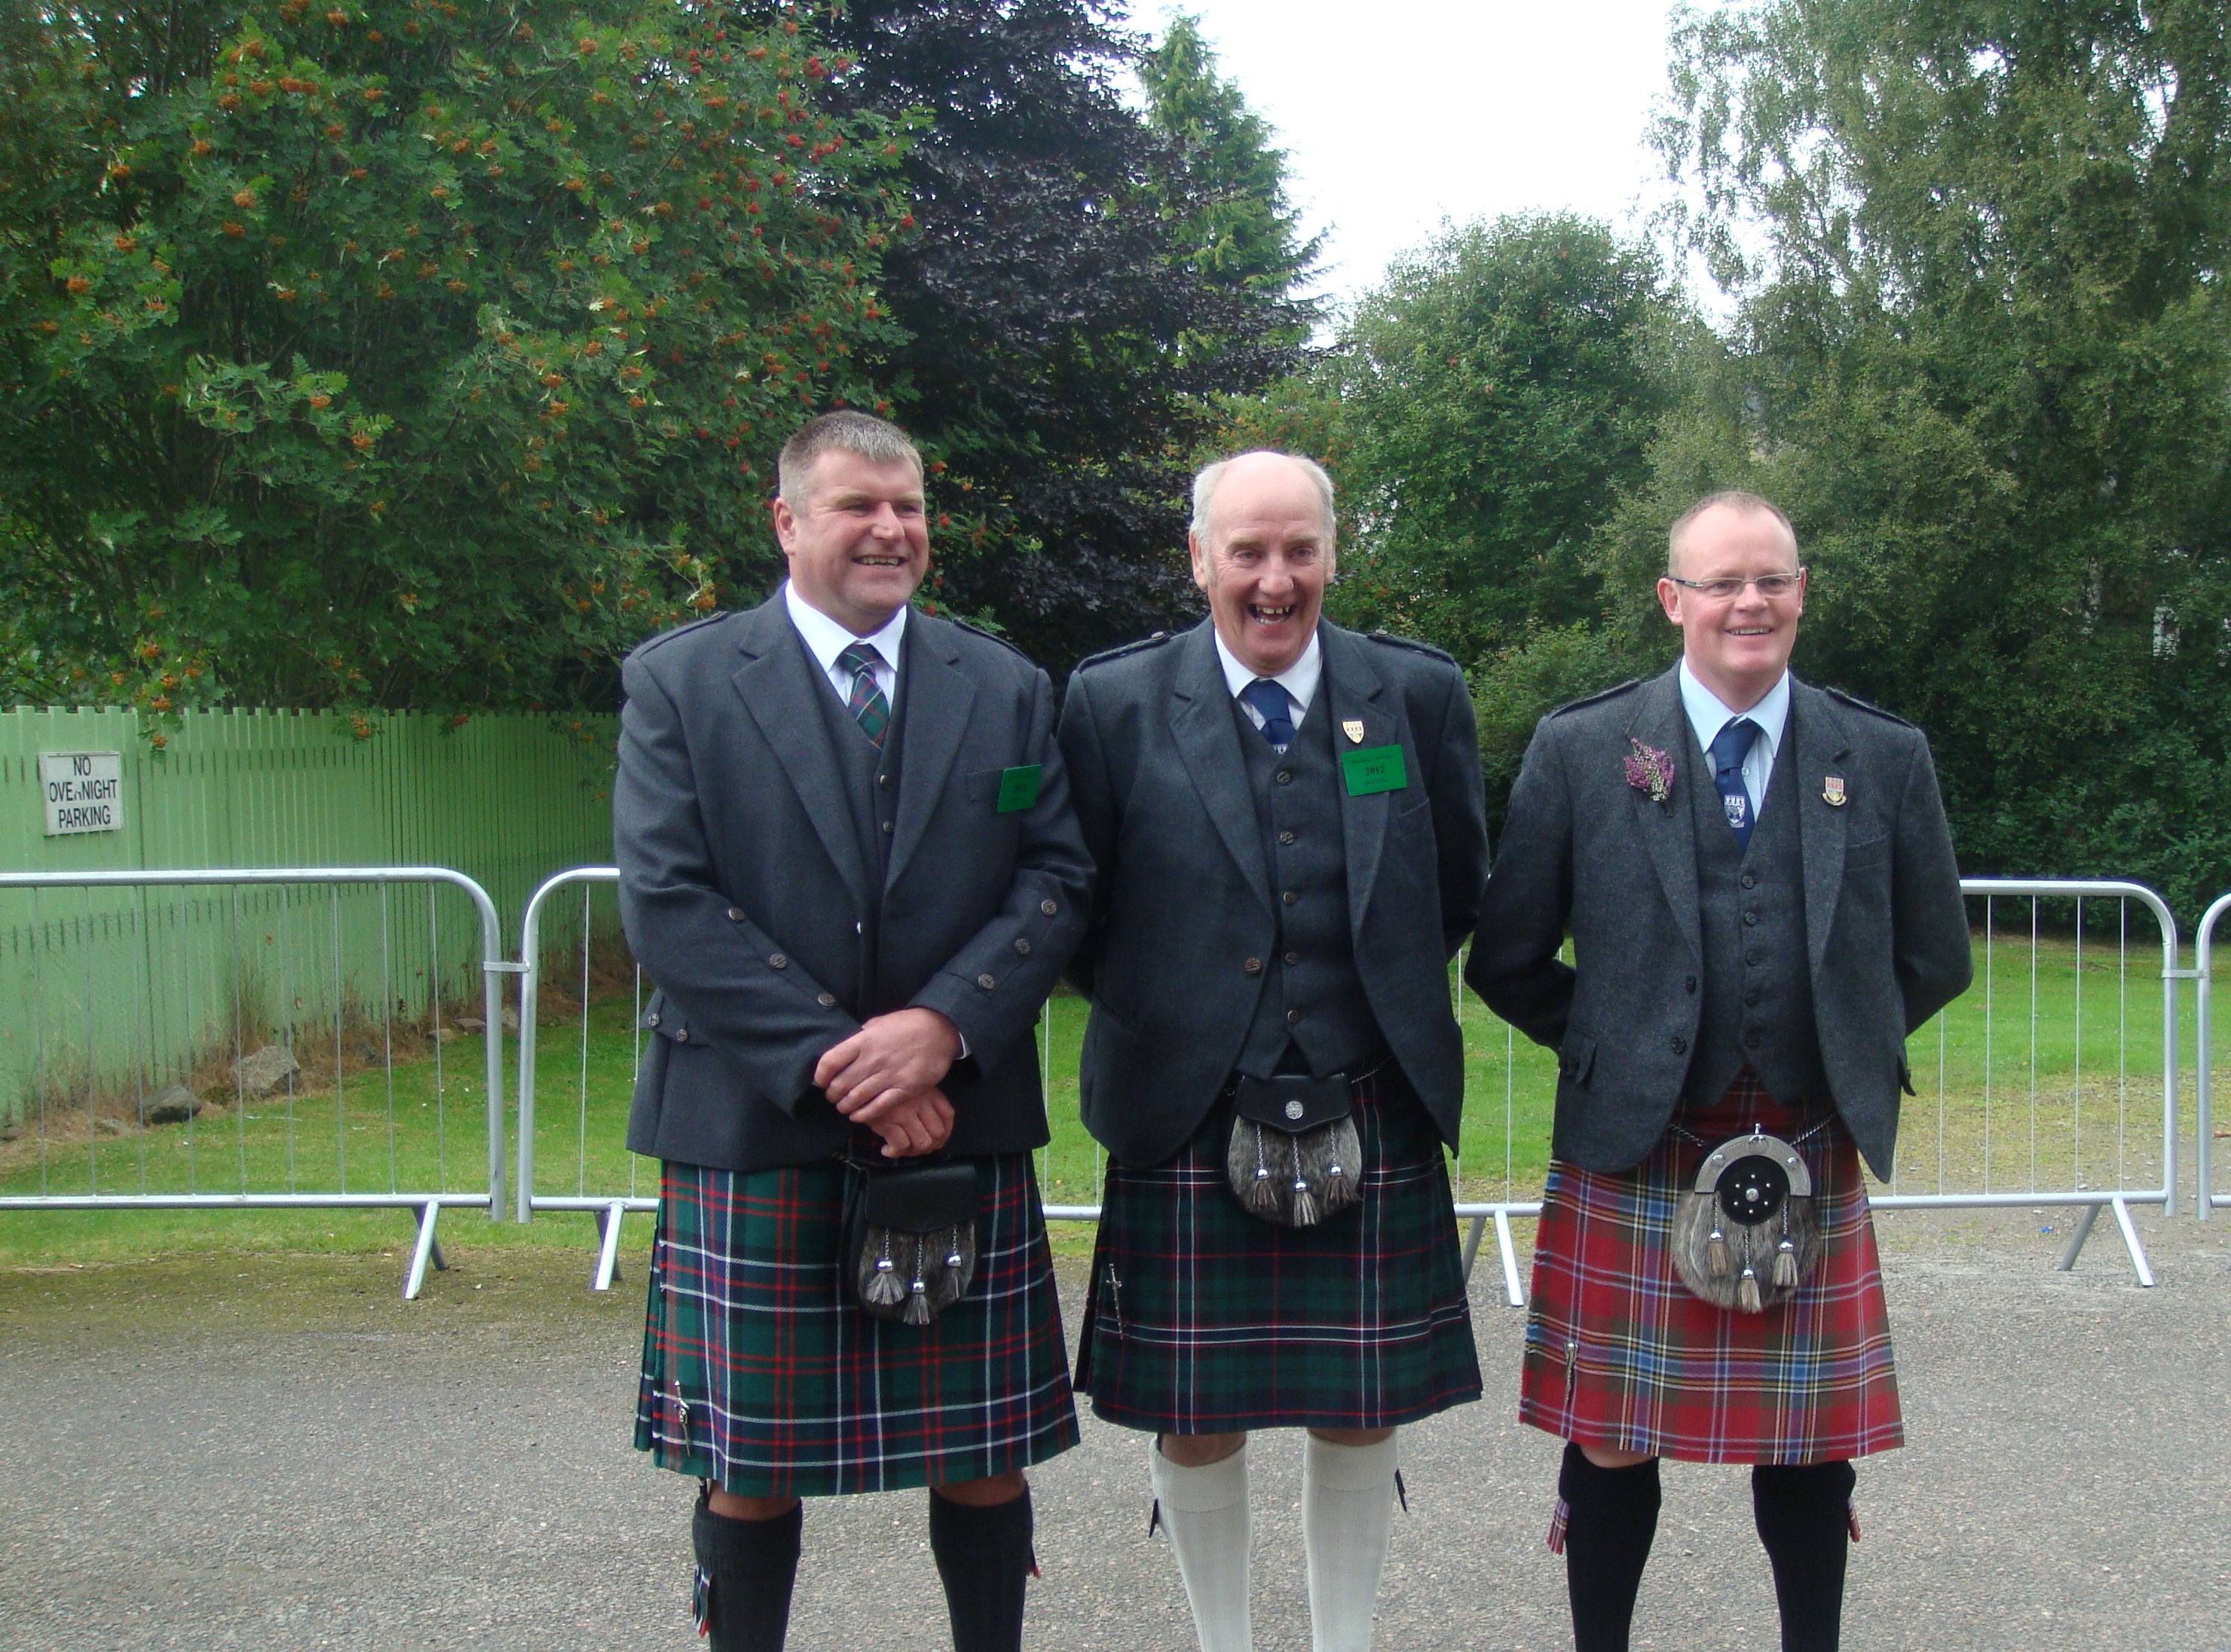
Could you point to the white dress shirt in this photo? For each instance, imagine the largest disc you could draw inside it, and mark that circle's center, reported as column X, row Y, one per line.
column 825, row 639
column 1299, row 680
column 1708, row 716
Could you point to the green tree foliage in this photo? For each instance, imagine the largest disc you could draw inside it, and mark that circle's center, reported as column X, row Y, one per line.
column 1983, row 360
column 383, row 352
column 1497, row 393
column 1065, row 340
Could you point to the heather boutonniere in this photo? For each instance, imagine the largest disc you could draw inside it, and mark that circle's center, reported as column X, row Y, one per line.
column 1649, row 771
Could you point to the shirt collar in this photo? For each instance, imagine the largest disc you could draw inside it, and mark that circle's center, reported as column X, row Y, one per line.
column 1299, row 680
column 1708, row 715
column 825, row 639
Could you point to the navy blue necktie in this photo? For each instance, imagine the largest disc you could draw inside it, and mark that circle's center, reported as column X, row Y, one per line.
column 1269, row 699
column 1730, row 747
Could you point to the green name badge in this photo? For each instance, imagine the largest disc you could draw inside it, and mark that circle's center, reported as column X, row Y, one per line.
column 1018, row 788
column 1375, row 768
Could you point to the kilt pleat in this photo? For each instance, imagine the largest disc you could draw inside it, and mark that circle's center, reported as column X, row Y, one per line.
column 1200, row 1319
column 1620, row 1355
column 793, row 1389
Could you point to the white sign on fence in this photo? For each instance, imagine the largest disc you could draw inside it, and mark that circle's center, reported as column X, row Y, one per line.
column 83, row 790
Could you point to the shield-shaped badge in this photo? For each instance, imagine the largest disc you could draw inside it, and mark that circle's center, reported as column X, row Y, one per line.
column 1352, row 727
column 1832, row 791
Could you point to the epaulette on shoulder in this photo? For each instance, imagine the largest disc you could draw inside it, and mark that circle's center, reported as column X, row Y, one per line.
column 1145, row 642
column 1856, row 704
column 1599, row 695
column 661, row 639
column 1411, row 643
column 989, row 636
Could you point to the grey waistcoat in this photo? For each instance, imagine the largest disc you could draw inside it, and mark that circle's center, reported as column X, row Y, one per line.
column 871, row 791
column 1757, row 984
column 1312, row 998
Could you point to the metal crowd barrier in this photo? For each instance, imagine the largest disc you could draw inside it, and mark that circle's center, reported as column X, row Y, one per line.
column 168, row 1032
column 2206, row 1200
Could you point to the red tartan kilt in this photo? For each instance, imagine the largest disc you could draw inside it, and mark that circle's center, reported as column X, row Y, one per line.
column 1620, row 1356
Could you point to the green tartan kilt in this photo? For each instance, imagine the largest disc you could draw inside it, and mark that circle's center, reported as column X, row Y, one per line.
column 1201, row 1319
column 789, row 1388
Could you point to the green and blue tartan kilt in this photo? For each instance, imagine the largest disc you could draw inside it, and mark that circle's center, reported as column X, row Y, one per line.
column 794, row 1389
column 1201, row 1319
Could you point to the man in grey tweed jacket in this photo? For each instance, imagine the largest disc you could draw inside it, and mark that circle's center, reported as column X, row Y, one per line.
column 1759, row 886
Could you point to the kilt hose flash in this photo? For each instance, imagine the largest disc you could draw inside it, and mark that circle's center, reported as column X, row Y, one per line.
column 1200, row 1319
column 1620, row 1356
column 794, row 1389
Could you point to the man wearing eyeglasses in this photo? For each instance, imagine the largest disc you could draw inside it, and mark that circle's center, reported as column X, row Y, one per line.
column 1758, row 886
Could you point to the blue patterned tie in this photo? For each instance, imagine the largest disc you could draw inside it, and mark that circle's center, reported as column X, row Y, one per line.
column 1730, row 747
column 867, row 703
column 1269, row 699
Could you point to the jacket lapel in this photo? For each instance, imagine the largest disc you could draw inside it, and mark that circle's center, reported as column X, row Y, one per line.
column 1819, row 749
column 934, row 697
column 1207, row 737
column 1669, row 829
column 1351, row 695
column 777, row 681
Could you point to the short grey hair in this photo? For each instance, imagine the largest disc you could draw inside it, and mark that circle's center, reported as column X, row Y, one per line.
column 1204, row 490
column 844, row 431
column 1735, row 499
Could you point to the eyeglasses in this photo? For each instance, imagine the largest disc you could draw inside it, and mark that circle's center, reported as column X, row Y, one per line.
column 1770, row 585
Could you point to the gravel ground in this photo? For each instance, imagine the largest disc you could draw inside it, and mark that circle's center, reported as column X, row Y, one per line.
column 258, row 1451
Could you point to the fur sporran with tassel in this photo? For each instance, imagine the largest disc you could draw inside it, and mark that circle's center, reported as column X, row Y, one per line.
column 910, row 1239
column 1295, row 1156
column 1746, row 1235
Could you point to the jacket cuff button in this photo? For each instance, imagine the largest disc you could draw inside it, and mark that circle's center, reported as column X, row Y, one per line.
column 735, row 914
column 1048, row 908
column 681, row 1035
column 652, row 1019
column 827, row 1001
column 1253, row 966
column 777, row 961
column 985, row 982
column 1022, row 946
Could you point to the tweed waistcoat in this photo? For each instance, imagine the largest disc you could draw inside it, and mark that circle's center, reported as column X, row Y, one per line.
column 1757, row 982
column 1311, row 1013
column 872, row 794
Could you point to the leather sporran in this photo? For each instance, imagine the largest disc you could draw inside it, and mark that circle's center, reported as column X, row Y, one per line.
column 910, row 1238
column 1295, row 1157
column 1746, row 1235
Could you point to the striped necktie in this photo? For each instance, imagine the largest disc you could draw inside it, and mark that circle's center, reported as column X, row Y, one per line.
column 869, row 707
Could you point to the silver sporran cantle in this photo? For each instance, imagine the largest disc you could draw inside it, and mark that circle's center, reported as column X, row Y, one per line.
column 1295, row 1157
column 1746, row 1235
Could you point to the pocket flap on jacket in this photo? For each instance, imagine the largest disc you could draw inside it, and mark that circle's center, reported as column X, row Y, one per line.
column 1577, row 1057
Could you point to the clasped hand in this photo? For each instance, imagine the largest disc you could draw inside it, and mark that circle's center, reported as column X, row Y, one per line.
column 886, row 1077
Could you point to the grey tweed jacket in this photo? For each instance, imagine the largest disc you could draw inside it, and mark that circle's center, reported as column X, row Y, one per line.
column 1586, row 853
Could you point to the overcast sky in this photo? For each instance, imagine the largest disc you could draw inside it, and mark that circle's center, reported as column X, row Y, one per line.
column 1398, row 112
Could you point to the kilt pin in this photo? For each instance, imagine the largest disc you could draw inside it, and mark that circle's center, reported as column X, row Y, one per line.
column 1621, row 1354
column 787, row 1387
column 1200, row 1319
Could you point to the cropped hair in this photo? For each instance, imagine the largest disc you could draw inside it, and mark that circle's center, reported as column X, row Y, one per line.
column 1204, row 491
column 844, row 431
column 1735, row 499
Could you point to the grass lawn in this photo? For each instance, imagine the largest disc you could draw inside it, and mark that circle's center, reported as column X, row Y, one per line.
column 2045, row 1075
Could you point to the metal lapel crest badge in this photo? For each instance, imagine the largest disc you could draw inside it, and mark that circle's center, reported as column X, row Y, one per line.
column 1832, row 791
column 1352, row 727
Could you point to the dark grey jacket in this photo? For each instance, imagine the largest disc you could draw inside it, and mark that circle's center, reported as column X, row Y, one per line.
column 744, row 894
column 1183, row 900
column 1586, row 853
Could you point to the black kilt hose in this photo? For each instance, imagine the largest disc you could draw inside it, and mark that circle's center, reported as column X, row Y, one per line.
column 793, row 1390
column 1201, row 1319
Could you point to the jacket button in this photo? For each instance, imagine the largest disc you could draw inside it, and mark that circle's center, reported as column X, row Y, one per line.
column 883, row 780
column 1285, row 837
column 1680, row 1045
column 1754, row 957
column 1293, row 1017
column 681, row 1035
column 985, row 982
column 777, row 961
column 652, row 1018
column 886, row 828
column 1293, row 959
column 1285, row 777
column 1253, row 966
column 1048, row 908
column 1022, row 946
column 1750, row 879
column 1750, row 920
column 735, row 914
column 1689, row 983
column 1750, row 1041
column 827, row 1001
column 1291, row 898
column 1750, row 1000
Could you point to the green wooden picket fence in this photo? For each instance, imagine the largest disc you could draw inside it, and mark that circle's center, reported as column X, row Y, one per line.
column 119, row 992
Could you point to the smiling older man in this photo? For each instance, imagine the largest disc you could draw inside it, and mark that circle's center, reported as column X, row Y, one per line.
column 1288, row 823
column 1758, row 886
